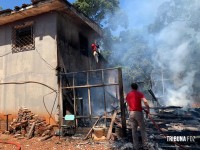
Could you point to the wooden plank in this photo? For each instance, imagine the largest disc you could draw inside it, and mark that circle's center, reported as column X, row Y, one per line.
column 45, row 137
column 93, row 117
column 89, row 86
column 111, row 125
column 31, row 131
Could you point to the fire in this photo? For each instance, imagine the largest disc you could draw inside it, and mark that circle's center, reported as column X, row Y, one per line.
column 196, row 105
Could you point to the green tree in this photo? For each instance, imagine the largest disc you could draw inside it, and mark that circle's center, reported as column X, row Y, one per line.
column 97, row 10
column 1, row 8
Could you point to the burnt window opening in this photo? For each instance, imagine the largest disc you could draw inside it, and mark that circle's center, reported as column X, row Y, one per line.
column 23, row 38
column 83, row 44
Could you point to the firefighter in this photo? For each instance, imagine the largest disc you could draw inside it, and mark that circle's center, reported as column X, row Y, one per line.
column 134, row 99
column 95, row 51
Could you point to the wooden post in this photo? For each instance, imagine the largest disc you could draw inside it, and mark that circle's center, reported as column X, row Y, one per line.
column 60, row 101
column 89, row 102
column 74, row 94
column 122, row 105
column 104, row 96
column 89, row 96
column 7, row 121
column 81, row 106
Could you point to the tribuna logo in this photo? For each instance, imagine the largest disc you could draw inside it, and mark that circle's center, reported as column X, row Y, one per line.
column 180, row 138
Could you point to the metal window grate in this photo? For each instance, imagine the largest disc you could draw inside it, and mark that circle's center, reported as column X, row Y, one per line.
column 23, row 38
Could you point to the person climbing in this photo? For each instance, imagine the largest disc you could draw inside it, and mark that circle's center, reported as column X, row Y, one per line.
column 95, row 51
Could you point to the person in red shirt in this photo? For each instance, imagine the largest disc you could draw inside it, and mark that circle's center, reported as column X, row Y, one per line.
column 134, row 100
column 95, row 51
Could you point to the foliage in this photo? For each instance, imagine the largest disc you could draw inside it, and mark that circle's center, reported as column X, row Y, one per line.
column 97, row 10
column 177, row 11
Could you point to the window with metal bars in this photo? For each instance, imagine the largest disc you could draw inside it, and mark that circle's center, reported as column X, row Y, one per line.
column 23, row 38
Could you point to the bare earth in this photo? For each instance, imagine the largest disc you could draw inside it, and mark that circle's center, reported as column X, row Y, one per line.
column 54, row 143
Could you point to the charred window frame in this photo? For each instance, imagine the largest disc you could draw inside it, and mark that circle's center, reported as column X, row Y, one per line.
column 83, row 44
column 23, row 38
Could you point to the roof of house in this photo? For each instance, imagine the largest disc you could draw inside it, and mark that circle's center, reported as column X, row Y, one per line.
column 43, row 6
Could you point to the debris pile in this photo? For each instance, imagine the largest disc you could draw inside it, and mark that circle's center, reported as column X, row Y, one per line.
column 175, row 122
column 29, row 125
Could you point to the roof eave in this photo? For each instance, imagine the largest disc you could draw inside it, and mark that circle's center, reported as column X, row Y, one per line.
column 44, row 7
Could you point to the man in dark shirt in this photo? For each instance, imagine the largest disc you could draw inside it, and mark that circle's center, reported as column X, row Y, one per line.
column 134, row 100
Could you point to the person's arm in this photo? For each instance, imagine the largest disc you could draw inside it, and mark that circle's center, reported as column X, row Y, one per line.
column 126, row 101
column 146, row 104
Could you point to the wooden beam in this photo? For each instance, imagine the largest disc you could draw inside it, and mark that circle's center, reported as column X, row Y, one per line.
column 122, row 104
column 89, row 86
column 111, row 125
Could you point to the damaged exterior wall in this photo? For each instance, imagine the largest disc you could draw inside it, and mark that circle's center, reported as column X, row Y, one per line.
column 74, row 52
column 74, row 42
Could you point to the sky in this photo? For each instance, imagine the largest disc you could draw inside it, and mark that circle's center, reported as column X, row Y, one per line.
column 12, row 3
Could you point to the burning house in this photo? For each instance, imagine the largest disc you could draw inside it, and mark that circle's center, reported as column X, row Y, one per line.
column 37, row 42
column 45, row 50
column 48, row 69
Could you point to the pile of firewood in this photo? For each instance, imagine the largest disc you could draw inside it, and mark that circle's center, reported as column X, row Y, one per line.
column 28, row 125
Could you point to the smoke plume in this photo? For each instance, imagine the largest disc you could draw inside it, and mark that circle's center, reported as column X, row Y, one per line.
column 162, row 36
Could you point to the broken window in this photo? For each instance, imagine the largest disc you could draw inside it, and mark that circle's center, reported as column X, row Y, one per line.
column 23, row 38
column 83, row 44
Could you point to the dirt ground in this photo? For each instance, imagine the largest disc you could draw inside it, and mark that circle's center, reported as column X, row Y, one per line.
column 54, row 143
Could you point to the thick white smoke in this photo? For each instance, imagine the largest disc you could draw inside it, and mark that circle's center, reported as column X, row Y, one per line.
column 176, row 55
column 172, row 54
column 173, row 45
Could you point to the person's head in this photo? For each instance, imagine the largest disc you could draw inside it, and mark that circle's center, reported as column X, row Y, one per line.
column 134, row 86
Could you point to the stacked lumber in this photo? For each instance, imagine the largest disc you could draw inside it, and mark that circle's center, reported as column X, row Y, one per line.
column 29, row 125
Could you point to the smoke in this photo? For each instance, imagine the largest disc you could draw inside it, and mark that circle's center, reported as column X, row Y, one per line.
column 161, row 35
column 177, row 51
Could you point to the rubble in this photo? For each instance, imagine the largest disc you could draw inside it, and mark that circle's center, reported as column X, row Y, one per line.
column 181, row 122
column 174, row 121
column 28, row 125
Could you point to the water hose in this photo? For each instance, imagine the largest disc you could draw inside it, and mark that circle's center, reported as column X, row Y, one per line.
column 158, row 128
column 13, row 143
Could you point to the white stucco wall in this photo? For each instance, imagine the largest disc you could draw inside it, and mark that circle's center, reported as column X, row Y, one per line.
column 29, row 66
